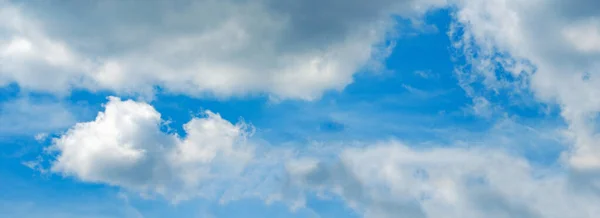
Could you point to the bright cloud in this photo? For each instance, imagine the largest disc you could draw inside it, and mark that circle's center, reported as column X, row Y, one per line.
column 393, row 180
column 125, row 147
column 550, row 48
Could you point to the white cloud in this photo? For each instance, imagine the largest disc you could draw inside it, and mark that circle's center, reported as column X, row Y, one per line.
column 393, row 180
column 584, row 35
column 481, row 107
column 426, row 74
column 125, row 147
column 40, row 137
column 288, row 49
column 30, row 58
column 550, row 48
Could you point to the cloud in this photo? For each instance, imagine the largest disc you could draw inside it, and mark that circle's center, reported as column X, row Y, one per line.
column 287, row 49
column 32, row 59
column 426, row 74
column 481, row 107
column 548, row 48
column 391, row 179
column 125, row 147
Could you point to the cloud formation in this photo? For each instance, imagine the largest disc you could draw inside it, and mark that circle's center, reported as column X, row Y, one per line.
column 125, row 147
column 286, row 49
column 548, row 48
column 393, row 180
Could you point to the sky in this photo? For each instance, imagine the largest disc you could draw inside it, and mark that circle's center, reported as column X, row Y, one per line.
column 289, row 108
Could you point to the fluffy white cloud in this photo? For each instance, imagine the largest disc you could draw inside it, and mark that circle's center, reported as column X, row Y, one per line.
column 125, row 147
column 394, row 180
column 288, row 49
column 547, row 47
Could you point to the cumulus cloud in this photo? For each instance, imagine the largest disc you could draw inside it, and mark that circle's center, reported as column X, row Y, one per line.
column 288, row 49
column 125, row 147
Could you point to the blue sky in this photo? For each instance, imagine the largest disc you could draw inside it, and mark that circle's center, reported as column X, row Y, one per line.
column 415, row 108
